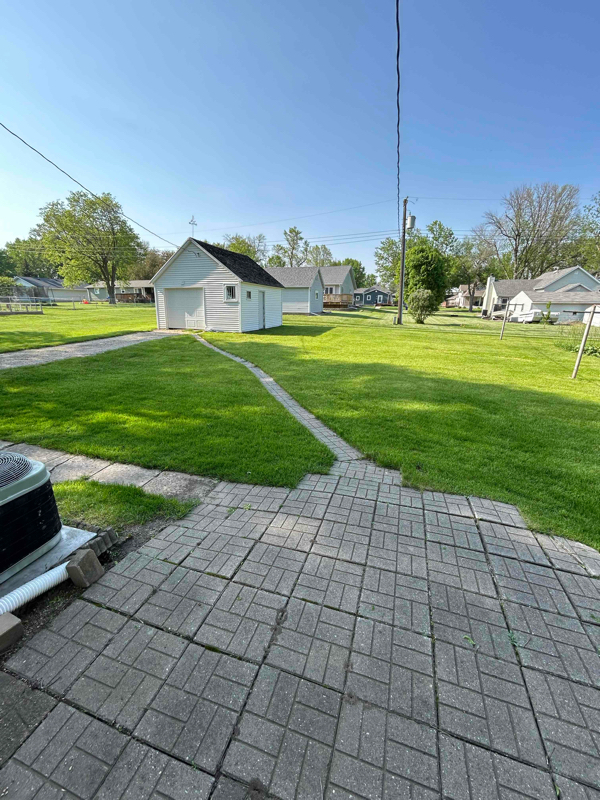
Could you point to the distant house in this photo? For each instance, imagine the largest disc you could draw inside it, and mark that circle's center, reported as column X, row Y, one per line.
column 129, row 292
column 373, row 296
column 461, row 298
column 572, row 279
column 570, row 305
column 302, row 289
column 340, row 284
column 51, row 289
column 206, row 287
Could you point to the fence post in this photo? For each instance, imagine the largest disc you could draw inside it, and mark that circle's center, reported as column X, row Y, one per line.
column 504, row 320
column 583, row 342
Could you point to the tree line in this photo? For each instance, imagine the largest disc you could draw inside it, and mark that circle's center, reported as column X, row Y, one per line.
column 539, row 228
column 86, row 239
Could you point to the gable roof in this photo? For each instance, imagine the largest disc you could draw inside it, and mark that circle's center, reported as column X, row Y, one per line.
column 570, row 298
column 510, row 288
column 296, row 277
column 130, row 284
column 48, row 283
column 549, row 277
column 336, row 275
column 376, row 288
column 243, row 267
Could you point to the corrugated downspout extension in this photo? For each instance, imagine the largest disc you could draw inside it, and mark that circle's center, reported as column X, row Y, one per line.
column 36, row 587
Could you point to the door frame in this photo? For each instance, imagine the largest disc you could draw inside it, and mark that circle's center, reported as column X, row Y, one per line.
column 262, row 311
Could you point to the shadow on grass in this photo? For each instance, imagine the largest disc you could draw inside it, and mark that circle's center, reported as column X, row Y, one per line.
column 536, row 449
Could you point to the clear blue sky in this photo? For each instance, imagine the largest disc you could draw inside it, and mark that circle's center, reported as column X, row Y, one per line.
column 241, row 111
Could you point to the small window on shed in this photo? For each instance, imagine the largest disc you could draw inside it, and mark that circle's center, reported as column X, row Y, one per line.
column 248, row 295
column 230, row 293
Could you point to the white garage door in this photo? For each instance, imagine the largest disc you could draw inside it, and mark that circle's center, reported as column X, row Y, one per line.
column 185, row 308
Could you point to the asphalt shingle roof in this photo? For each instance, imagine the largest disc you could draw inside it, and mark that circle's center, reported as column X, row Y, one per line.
column 334, row 275
column 244, row 267
column 376, row 288
column 572, row 298
column 297, row 277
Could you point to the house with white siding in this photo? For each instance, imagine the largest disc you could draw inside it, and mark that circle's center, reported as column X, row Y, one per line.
column 302, row 291
column 52, row 289
column 205, row 287
column 571, row 279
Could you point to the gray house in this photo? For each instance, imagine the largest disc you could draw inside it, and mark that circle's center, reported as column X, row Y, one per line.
column 303, row 289
column 340, row 284
column 572, row 279
column 373, row 296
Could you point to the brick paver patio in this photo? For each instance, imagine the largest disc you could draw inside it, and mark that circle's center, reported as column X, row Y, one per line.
column 350, row 638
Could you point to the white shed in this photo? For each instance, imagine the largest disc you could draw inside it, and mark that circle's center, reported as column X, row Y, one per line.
column 596, row 317
column 303, row 289
column 570, row 305
column 206, row 287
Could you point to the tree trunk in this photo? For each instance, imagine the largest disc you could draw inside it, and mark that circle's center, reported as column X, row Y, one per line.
column 471, row 299
column 110, row 288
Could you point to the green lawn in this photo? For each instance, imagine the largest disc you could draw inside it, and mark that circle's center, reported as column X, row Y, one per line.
column 62, row 324
column 450, row 404
column 110, row 505
column 170, row 404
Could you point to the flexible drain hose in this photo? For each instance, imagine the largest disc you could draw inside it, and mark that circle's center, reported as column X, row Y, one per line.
column 18, row 597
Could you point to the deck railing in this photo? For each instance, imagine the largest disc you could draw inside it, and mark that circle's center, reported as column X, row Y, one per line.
column 337, row 299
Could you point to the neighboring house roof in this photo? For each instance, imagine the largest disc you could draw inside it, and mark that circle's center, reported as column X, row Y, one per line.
column 549, row 277
column 479, row 292
column 294, row 277
column 48, row 283
column 372, row 289
column 510, row 288
column 244, row 267
column 336, row 275
column 572, row 298
column 132, row 284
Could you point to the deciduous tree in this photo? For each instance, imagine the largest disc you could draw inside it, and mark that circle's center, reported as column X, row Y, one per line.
column 253, row 246
column 426, row 269
column 319, row 255
column 422, row 304
column 89, row 240
column 29, row 258
column 294, row 253
column 536, row 224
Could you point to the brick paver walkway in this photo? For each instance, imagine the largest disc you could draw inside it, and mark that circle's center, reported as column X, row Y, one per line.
column 350, row 638
column 44, row 355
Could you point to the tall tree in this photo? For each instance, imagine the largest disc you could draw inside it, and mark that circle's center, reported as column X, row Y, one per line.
column 360, row 275
column 150, row 262
column 7, row 268
column 387, row 262
column 534, row 228
column 426, row 269
column 471, row 264
column 292, row 254
column 29, row 258
column 253, row 246
column 589, row 241
column 443, row 238
column 370, row 280
column 89, row 240
column 319, row 255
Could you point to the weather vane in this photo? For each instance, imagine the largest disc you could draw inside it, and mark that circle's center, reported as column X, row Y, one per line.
column 193, row 223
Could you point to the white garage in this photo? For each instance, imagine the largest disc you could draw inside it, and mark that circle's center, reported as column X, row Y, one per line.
column 204, row 287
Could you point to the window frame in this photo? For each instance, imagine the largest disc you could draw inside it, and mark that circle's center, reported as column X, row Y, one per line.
column 233, row 299
column 248, row 294
column 316, row 294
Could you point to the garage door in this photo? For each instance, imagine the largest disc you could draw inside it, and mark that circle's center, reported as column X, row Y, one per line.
column 185, row 308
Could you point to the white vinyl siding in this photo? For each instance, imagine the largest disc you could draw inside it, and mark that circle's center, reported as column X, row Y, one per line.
column 185, row 308
column 251, row 320
column 316, row 303
column 193, row 268
column 295, row 300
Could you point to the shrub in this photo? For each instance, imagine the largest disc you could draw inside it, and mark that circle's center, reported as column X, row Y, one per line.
column 422, row 303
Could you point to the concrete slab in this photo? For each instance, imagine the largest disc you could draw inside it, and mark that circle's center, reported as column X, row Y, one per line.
column 181, row 485
column 126, row 475
column 71, row 539
column 78, row 467
column 4, row 444
column 49, row 457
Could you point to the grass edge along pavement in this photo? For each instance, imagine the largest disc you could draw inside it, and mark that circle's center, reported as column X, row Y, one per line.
column 170, row 404
column 456, row 410
column 110, row 505
column 65, row 325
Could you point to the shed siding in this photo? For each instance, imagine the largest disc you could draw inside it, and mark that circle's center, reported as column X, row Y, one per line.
column 195, row 268
column 295, row 300
column 251, row 306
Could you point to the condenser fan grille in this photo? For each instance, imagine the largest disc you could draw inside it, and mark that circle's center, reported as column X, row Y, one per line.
column 12, row 467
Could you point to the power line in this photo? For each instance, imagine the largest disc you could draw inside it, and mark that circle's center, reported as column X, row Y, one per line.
column 89, row 191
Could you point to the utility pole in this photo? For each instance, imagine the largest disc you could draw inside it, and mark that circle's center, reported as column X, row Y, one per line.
column 583, row 342
column 411, row 225
column 193, row 223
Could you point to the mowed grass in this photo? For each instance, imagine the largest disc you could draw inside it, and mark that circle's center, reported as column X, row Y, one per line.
column 63, row 324
column 110, row 505
column 451, row 405
column 170, row 404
